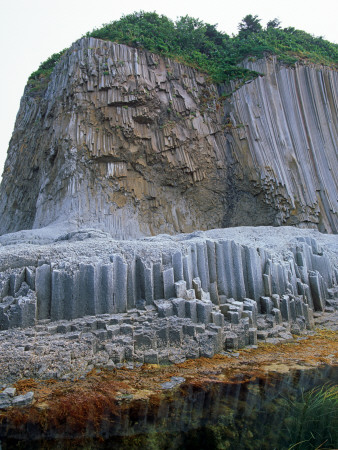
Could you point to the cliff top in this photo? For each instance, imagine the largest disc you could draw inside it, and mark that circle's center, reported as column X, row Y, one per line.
column 202, row 46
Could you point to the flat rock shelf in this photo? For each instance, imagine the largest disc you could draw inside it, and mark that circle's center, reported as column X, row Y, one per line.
column 235, row 399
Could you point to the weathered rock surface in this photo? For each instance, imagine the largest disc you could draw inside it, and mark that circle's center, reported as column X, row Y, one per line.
column 82, row 303
column 127, row 142
column 284, row 138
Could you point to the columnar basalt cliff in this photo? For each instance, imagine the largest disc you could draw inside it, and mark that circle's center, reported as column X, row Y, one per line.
column 134, row 144
column 285, row 138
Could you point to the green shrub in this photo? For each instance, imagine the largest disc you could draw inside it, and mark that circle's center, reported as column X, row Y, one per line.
column 201, row 45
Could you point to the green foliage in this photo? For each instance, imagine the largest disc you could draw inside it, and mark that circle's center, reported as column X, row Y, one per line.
column 46, row 68
column 274, row 23
column 38, row 80
column 201, row 45
column 250, row 24
column 313, row 420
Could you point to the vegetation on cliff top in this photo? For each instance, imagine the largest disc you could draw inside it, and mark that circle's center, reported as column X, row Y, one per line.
column 202, row 46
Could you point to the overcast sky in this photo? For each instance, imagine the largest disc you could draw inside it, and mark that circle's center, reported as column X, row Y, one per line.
column 32, row 30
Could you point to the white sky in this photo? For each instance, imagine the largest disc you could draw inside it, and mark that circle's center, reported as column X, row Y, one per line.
column 32, row 30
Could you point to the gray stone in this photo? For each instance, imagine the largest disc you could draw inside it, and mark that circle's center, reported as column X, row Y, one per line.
column 142, row 341
column 4, row 287
column 117, row 354
column 105, row 298
column 249, row 315
column 131, row 285
column 218, row 318
column 202, row 261
column 226, row 307
column 10, row 392
column 267, row 285
column 5, row 403
column 102, row 335
column 308, row 315
column 189, row 330
column 126, row 329
column 177, row 263
column 229, row 273
column 196, row 284
column 262, row 335
column 164, row 308
column 23, row 400
column 179, row 307
column 253, row 273
column 191, row 310
column 214, row 293
column 233, row 317
column 278, row 315
column 286, row 336
column 175, row 381
column 139, row 279
column 148, row 285
column 220, row 269
column 231, row 341
column 298, row 305
column 211, row 253
column 187, row 272
column 266, row 305
column 252, row 336
column 87, row 290
column 114, row 330
column 192, row 352
column 168, row 283
column 175, row 334
column 30, row 278
column 238, row 274
column 162, row 335
column 181, row 289
column 63, row 328
column 285, row 308
column 292, row 306
column 204, row 296
column 43, row 291
column 120, row 284
column 203, row 311
column 151, row 357
column 317, row 291
column 190, row 294
column 276, row 301
column 15, row 281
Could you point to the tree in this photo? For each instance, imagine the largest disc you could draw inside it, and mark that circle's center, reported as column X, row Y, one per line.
column 250, row 24
column 274, row 23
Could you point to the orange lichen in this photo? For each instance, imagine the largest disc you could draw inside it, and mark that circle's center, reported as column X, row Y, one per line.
column 81, row 406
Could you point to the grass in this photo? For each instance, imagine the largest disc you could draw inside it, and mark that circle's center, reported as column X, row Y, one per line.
column 313, row 419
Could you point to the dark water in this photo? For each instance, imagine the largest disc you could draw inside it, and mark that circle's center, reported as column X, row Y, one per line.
column 274, row 412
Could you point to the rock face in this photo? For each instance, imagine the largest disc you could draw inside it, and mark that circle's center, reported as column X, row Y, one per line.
column 158, row 300
column 284, row 136
column 130, row 143
column 203, row 271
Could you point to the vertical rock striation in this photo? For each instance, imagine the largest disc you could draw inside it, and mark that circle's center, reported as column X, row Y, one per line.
column 135, row 144
column 284, row 135
column 120, row 139
column 202, row 273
